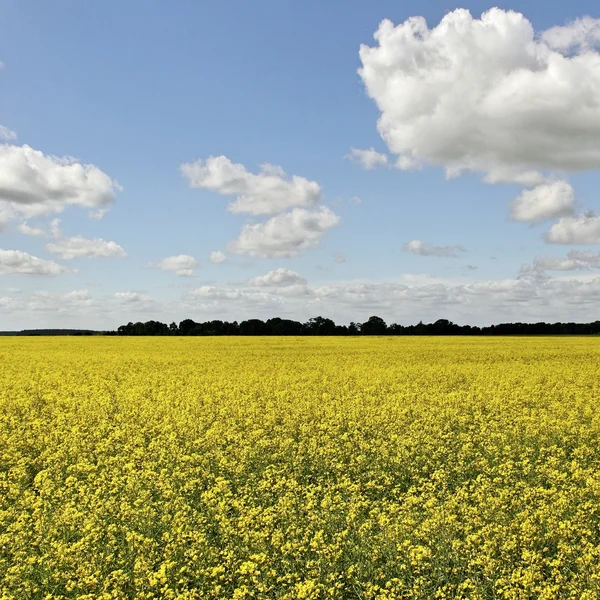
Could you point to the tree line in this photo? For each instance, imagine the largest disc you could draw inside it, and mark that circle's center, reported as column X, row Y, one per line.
column 373, row 326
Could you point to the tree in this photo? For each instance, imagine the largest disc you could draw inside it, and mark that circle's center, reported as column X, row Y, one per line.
column 278, row 326
column 396, row 329
column 126, row 329
column 186, row 326
column 443, row 327
column 253, row 327
column 320, row 326
column 374, row 326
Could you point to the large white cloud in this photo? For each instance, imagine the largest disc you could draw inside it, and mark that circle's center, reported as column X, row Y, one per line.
column 266, row 193
column 422, row 249
column 277, row 277
column 580, row 229
column 34, row 184
column 487, row 94
column 78, row 246
column 181, row 264
column 16, row 262
column 285, row 235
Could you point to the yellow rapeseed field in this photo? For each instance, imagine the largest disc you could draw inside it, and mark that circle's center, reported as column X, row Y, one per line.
column 299, row 468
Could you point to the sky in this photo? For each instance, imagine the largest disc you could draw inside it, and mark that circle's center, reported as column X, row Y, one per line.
column 234, row 160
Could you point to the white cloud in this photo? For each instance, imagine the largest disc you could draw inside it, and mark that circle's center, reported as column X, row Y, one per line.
column 575, row 260
column 6, row 135
column 182, row 264
column 422, row 249
column 580, row 229
column 217, row 257
column 586, row 259
column 338, row 257
column 78, row 246
column 369, row 158
column 278, row 277
column 214, row 292
column 55, row 230
column 356, row 200
column 533, row 274
column 33, row 231
column 33, row 184
column 477, row 302
column 546, row 201
column 266, row 193
column 583, row 33
column 528, row 299
column 75, row 302
column 16, row 262
column 285, row 235
column 132, row 298
column 507, row 174
column 78, row 309
column 486, row 94
column 551, row 263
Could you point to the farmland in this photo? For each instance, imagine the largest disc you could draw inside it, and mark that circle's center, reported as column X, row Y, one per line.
column 299, row 468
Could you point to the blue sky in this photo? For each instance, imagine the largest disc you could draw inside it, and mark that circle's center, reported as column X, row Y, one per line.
column 138, row 89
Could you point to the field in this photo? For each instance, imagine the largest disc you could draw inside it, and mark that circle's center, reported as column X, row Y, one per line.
column 299, row 468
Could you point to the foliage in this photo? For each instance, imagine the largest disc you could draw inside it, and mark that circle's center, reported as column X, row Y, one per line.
column 373, row 326
column 289, row 468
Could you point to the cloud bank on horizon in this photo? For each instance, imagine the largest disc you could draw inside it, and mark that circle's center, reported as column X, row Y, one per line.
column 487, row 96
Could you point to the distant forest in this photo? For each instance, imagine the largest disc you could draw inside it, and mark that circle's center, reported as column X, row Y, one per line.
column 323, row 326
column 373, row 326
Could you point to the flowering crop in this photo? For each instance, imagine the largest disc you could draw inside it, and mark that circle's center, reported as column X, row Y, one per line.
column 299, row 468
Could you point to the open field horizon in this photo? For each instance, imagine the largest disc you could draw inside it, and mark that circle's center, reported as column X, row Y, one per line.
column 301, row 467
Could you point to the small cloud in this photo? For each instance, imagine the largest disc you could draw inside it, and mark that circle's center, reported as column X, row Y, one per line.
column 285, row 235
column 6, row 134
column 546, row 201
column 34, row 184
column 278, row 277
column 268, row 192
column 183, row 265
column 338, row 257
column 422, row 249
column 16, row 262
column 217, row 257
column 33, row 231
column 579, row 229
column 55, row 230
column 132, row 297
column 78, row 247
column 368, row 159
